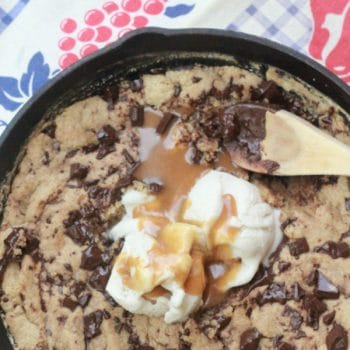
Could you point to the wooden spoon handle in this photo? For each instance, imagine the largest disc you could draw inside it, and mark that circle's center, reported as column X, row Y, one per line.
column 301, row 148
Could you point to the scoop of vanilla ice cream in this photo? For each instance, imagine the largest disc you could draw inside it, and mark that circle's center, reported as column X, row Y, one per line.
column 130, row 200
column 175, row 307
column 258, row 223
column 258, row 235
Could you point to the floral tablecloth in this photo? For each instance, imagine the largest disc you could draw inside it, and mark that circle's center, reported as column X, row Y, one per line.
column 40, row 38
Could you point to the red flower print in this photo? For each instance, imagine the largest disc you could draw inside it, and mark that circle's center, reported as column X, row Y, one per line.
column 101, row 26
column 330, row 43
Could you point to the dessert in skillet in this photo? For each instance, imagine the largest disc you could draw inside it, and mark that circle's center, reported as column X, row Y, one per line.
column 128, row 226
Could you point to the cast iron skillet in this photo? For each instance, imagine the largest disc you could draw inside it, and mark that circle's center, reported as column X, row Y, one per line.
column 141, row 50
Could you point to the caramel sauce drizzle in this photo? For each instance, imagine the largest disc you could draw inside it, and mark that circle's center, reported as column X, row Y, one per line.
column 212, row 269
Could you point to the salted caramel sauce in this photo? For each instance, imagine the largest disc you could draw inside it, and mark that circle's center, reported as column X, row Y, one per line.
column 196, row 280
column 129, row 268
column 210, row 270
column 222, row 232
column 159, row 291
column 219, row 274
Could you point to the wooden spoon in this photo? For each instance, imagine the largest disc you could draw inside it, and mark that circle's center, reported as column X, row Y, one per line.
column 293, row 146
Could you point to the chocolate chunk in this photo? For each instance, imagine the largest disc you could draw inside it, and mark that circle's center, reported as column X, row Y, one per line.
column 78, row 171
column 213, row 126
column 320, row 181
column 283, row 266
column 133, row 168
column 261, row 278
column 298, row 247
column 276, row 340
column 238, row 89
column 249, row 121
column 88, row 211
column 62, row 319
column 314, row 308
column 268, row 90
column 223, row 322
column 347, row 204
column 345, row 235
column 226, row 92
column 106, row 315
column 31, row 245
column 250, row 339
column 20, row 242
column 68, row 267
column 77, row 288
column 294, row 104
column 296, row 319
column 92, row 324
column 84, row 300
column 71, row 153
column 112, row 170
column 11, row 240
column 99, row 278
column 73, row 216
column 137, row 115
column 69, row 303
column 274, row 293
column 107, row 256
column 177, row 90
column 325, row 289
column 79, row 233
column 296, row 293
column 300, row 334
column 334, row 249
column 287, row 223
column 327, row 120
column 311, row 278
column 165, row 122
column 118, row 327
column 249, row 312
column 185, row 345
column 337, row 338
column 91, row 147
column 136, row 85
column 46, row 159
column 50, row 130
column 155, row 187
column 91, row 258
column 104, row 150
column 285, row 346
column 230, row 126
column 109, row 299
column 329, row 318
column 129, row 158
column 125, row 181
column 134, row 340
column 269, row 165
column 107, row 135
column 196, row 155
column 196, row 80
column 104, row 197
column 111, row 96
column 95, row 192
